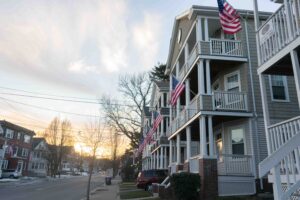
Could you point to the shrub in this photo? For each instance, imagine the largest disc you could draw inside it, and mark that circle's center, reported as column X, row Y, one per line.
column 186, row 186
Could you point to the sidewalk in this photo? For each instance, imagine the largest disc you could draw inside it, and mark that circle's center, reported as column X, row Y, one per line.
column 107, row 192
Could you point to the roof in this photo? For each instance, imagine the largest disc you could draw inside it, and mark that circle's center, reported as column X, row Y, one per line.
column 36, row 141
column 162, row 85
column 7, row 124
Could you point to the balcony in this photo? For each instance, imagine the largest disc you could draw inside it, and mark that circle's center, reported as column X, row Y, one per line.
column 274, row 34
column 230, row 101
column 218, row 101
column 219, row 48
column 235, row 165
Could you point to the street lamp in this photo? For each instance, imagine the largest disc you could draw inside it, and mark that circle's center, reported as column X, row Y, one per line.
column 2, row 155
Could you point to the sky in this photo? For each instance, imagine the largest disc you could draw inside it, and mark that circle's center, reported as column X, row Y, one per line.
column 79, row 49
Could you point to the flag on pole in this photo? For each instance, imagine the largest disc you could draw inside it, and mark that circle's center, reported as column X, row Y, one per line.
column 177, row 89
column 229, row 18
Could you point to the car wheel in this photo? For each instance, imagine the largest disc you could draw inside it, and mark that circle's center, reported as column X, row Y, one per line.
column 11, row 176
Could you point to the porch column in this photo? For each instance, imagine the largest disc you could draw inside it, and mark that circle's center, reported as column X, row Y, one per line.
column 203, row 148
column 296, row 70
column 265, row 107
column 211, row 137
column 201, row 77
column 170, row 89
column 151, row 162
column 165, row 156
column 162, row 133
column 199, row 35
column 157, row 157
column 208, row 82
column 170, row 151
column 178, row 148
column 289, row 18
column 161, row 157
column 188, row 143
column 186, row 52
column 206, row 29
column 187, row 92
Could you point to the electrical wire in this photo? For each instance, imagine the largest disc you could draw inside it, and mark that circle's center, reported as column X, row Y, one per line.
column 54, row 110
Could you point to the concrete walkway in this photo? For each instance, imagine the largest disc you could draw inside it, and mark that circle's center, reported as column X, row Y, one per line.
column 107, row 192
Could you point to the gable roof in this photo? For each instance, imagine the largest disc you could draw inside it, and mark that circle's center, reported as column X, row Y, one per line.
column 10, row 125
column 37, row 141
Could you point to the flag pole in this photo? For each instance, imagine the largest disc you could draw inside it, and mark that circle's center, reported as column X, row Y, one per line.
column 256, row 23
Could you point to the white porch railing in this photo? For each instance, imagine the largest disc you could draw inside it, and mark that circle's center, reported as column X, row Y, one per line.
column 185, row 115
column 235, row 101
column 194, row 164
column 235, row 165
column 274, row 33
column 281, row 132
column 284, row 158
column 226, row 47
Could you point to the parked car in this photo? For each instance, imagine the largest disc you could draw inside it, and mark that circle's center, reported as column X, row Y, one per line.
column 10, row 173
column 147, row 177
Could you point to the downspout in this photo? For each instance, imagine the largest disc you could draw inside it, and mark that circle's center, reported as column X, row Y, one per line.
column 253, row 101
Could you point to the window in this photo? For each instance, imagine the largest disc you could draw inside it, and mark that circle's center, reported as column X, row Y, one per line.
column 165, row 99
column 15, row 151
column 19, row 135
column 232, row 82
column 4, row 164
column 27, row 138
column 24, row 152
column 237, row 141
column 279, row 88
column 9, row 133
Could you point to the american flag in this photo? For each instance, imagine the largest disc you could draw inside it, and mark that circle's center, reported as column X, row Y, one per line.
column 157, row 119
column 177, row 89
column 229, row 18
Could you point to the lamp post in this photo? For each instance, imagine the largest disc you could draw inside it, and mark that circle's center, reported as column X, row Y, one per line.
column 2, row 155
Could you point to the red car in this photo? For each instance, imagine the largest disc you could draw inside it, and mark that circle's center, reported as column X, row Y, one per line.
column 147, row 177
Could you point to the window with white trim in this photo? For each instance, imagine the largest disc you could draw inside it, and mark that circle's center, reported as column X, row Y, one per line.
column 24, row 152
column 27, row 138
column 232, row 82
column 279, row 88
column 237, row 141
column 19, row 135
column 9, row 133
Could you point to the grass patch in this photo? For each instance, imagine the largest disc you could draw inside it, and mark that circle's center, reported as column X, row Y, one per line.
column 240, row 198
column 127, row 186
column 134, row 194
column 157, row 198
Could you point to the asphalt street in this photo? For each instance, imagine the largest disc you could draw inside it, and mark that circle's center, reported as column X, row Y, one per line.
column 73, row 188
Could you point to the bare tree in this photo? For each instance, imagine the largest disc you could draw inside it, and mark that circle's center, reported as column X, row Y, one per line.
column 58, row 134
column 126, row 117
column 92, row 138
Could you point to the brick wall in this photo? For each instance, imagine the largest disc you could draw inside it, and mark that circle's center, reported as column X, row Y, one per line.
column 186, row 167
column 208, row 178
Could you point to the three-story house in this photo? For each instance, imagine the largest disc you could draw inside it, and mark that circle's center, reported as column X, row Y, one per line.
column 217, row 126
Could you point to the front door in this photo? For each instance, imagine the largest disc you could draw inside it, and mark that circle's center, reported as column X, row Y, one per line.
column 219, row 145
column 20, row 166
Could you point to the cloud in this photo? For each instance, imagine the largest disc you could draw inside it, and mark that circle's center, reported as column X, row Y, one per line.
column 81, row 67
column 147, row 37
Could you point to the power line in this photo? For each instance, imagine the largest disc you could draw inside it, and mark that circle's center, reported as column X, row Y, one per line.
column 61, row 99
column 48, row 109
column 60, row 96
column 54, row 95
